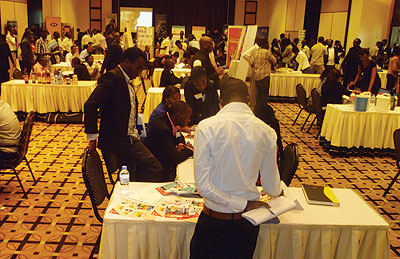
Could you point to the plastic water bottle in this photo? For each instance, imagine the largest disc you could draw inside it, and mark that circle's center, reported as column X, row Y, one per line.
column 124, row 180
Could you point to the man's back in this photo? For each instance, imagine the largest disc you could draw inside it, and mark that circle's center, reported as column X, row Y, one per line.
column 230, row 149
column 10, row 130
column 317, row 54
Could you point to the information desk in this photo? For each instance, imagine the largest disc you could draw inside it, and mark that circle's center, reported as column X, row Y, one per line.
column 177, row 72
column 45, row 98
column 343, row 127
column 353, row 230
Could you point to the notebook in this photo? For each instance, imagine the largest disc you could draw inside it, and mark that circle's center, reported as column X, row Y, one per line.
column 320, row 195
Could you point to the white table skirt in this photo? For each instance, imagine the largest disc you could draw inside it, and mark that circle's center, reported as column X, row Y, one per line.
column 284, row 84
column 353, row 230
column 63, row 66
column 45, row 98
column 98, row 57
column 344, row 127
column 177, row 71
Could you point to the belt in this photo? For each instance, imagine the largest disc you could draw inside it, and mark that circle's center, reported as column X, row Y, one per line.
column 220, row 215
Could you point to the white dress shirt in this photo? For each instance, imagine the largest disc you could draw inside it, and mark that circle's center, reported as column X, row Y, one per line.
column 331, row 56
column 66, row 44
column 86, row 39
column 10, row 130
column 11, row 41
column 230, row 149
column 302, row 59
column 83, row 55
column 249, row 54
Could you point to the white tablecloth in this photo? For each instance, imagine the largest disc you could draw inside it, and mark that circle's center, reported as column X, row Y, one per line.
column 344, row 127
column 177, row 71
column 284, row 84
column 64, row 66
column 154, row 98
column 353, row 230
column 45, row 98
column 98, row 57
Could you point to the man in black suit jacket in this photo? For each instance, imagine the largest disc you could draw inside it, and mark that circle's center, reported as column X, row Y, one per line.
column 167, row 76
column 201, row 95
column 116, row 98
column 166, row 142
column 206, row 46
column 351, row 61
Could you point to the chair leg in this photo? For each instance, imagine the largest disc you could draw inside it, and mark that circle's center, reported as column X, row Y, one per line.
column 96, row 247
column 298, row 115
column 319, row 132
column 111, row 178
column 20, row 183
column 391, row 184
column 305, row 121
column 33, row 176
column 312, row 123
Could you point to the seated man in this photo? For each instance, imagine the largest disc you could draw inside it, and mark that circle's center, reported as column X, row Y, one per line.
column 40, row 68
column 92, row 67
column 80, row 70
column 167, row 76
column 73, row 54
column 86, row 52
column 10, row 132
column 167, row 143
column 201, row 95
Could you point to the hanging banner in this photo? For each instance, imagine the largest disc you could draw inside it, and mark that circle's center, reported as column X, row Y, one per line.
column 235, row 37
column 198, row 31
column 53, row 24
column 249, row 39
column 176, row 31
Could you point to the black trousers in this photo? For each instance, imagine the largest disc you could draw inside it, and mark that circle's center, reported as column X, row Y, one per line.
column 262, row 94
column 391, row 82
column 215, row 238
column 142, row 164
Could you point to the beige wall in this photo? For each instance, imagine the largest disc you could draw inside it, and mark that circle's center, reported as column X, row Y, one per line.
column 270, row 13
column 369, row 21
column 333, row 6
column 14, row 11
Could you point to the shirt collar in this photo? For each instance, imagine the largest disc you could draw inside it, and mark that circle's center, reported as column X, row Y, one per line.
column 174, row 128
column 125, row 75
column 236, row 107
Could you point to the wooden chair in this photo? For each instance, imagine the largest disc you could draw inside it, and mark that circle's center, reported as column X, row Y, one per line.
column 289, row 163
column 16, row 159
column 396, row 138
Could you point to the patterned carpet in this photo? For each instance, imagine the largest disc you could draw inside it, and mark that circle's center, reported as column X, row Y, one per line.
column 56, row 221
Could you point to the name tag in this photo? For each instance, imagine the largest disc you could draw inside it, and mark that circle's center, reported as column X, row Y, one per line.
column 198, row 96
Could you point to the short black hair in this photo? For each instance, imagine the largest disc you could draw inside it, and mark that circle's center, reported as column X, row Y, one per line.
column 178, row 107
column 321, row 39
column 263, row 43
column 133, row 54
column 169, row 91
column 87, row 57
column 197, row 72
column 233, row 87
column 363, row 52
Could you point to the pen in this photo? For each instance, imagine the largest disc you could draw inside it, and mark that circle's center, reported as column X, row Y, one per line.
column 271, row 211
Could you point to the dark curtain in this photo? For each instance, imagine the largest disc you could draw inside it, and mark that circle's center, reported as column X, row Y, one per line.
column 311, row 18
column 209, row 13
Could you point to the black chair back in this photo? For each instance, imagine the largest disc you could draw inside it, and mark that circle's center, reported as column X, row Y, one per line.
column 275, row 125
column 25, row 137
column 396, row 139
column 301, row 96
column 264, row 112
column 93, row 176
column 289, row 163
column 316, row 101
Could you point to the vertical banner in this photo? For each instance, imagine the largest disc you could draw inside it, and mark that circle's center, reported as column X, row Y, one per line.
column 235, row 35
column 198, row 31
column 145, row 37
column 176, row 30
column 249, row 39
column 53, row 24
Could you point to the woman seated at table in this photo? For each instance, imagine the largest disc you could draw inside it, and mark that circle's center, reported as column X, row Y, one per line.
column 171, row 95
column 166, row 142
column 92, row 67
column 167, row 76
column 332, row 89
column 41, row 66
column 201, row 95
column 367, row 78
column 80, row 70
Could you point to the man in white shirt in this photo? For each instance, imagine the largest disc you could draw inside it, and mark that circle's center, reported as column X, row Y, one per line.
column 166, row 46
column 72, row 54
column 305, row 49
column 248, row 56
column 87, row 38
column 331, row 55
column 10, row 130
column 318, row 53
column 66, row 43
column 11, row 39
column 86, row 52
column 302, row 60
column 231, row 150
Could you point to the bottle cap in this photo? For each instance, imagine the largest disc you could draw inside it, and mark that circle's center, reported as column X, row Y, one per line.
column 124, row 167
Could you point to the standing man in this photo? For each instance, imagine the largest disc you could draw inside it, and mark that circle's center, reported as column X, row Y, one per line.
column 330, row 64
column 206, row 46
column 231, row 149
column 350, row 62
column 263, row 61
column 248, row 56
column 318, row 53
column 12, row 42
column 115, row 97
column 5, row 60
column 42, row 44
column 393, row 71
